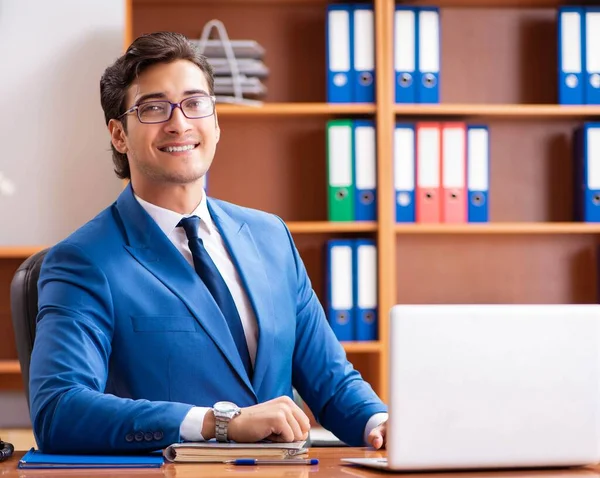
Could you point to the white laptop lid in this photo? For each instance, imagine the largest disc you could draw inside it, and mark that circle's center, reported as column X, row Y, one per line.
column 479, row 386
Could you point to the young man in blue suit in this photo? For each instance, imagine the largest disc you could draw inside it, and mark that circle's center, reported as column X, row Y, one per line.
column 172, row 316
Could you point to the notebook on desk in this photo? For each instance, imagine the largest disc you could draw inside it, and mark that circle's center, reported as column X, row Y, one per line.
column 34, row 459
column 492, row 386
column 216, row 452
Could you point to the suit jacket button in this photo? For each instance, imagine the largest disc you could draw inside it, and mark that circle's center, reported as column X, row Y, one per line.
column 158, row 435
column 129, row 437
column 139, row 436
column 148, row 436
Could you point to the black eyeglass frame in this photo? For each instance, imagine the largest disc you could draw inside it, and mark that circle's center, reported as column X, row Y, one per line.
column 136, row 108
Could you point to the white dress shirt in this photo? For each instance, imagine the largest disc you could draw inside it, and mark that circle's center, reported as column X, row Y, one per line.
column 167, row 220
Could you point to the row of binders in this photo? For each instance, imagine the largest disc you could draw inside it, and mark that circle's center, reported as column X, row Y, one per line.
column 441, row 172
column 352, row 289
column 350, row 54
column 586, row 172
column 579, row 55
column 351, row 170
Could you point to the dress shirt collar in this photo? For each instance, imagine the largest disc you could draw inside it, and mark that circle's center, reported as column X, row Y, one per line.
column 167, row 220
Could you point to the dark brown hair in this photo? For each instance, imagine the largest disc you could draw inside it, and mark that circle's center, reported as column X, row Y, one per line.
column 147, row 50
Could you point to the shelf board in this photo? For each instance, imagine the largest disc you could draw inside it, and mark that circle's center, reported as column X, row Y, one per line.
column 499, row 111
column 326, row 226
column 19, row 252
column 487, row 3
column 501, row 228
column 9, row 367
column 440, row 3
column 362, row 347
column 294, row 109
column 232, row 2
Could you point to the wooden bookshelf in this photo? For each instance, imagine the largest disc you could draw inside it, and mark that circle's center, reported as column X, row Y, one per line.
column 10, row 367
column 501, row 228
column 18, row 252
column 294, row 109
column 362, row 347
column 500, row 111
column 525, row 4
column 331, row 227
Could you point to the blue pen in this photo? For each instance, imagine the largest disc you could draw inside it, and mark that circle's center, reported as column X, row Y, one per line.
column 288, row 461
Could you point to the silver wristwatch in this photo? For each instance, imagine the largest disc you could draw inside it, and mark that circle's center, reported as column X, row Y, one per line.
column 224, row 412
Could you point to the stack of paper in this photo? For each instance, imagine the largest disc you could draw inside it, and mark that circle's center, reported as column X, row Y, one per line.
column 215, row 452
column 251, row 71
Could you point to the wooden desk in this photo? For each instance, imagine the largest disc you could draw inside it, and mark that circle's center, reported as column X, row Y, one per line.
column 329, row 466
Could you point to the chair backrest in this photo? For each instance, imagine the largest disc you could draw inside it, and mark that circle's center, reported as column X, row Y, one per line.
column 24, row 309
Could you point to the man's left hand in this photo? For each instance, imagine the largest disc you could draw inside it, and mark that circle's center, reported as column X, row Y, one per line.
column 377, row 436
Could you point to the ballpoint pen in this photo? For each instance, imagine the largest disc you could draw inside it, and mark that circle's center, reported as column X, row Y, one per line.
column 288, row 461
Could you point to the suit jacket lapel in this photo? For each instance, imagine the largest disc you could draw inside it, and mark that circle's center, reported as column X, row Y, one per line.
column 247, row 259
column 153, row 250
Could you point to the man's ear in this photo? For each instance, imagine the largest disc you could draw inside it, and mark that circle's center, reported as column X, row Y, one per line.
column 117, row 136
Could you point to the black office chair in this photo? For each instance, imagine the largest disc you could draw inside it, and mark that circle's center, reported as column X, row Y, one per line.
column 24, row 309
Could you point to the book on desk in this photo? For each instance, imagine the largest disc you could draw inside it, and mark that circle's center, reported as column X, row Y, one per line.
column 216, row 452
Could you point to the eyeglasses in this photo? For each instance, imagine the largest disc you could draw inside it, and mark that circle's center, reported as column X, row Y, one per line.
column 194, row 107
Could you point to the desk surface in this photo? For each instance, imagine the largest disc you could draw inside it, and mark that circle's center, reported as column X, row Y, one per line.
column 329, row 466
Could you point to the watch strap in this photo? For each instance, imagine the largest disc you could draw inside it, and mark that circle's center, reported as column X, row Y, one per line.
column 221, row 426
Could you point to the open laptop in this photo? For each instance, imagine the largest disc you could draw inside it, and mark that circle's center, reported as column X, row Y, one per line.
column 492, row 386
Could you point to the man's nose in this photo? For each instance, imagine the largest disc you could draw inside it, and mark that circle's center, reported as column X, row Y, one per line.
column 178, row 122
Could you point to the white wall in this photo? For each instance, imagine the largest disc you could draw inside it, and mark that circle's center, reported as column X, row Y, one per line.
column 54, row 146
column 54, row 143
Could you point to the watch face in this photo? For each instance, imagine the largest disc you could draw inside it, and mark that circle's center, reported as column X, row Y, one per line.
column 226, row 407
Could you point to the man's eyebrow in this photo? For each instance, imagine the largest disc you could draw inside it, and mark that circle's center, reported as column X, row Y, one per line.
column 162, row 96
column 150, row 96
column 195, row 92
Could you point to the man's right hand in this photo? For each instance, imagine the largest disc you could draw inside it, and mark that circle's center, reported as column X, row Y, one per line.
column 278, row 420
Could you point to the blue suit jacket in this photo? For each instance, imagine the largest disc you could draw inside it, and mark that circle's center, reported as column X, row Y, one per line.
column 129, row 338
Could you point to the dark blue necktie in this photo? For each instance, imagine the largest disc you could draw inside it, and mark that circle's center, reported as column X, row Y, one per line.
column 208, row 272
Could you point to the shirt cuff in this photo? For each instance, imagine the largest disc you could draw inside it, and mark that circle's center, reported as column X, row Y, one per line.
column 191, row 426
column 373, row 422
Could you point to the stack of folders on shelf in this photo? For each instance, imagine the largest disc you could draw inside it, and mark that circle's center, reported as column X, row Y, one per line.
column 586, row 172
column 417, row 54
column 351, row 170
column 250, row 68
column 579, row 55
column 441, row 172
column 350, row 53
column 352, row 288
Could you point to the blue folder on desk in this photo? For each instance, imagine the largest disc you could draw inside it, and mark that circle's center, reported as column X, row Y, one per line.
column 34, row 459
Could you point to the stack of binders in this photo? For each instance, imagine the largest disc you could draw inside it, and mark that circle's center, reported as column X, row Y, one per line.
column 586, row 173
column 350, row 53
column 352, row 289
column 417, row 54
column 351, row 170
column 250, row 68
column 441, row 172
column 579, row 55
